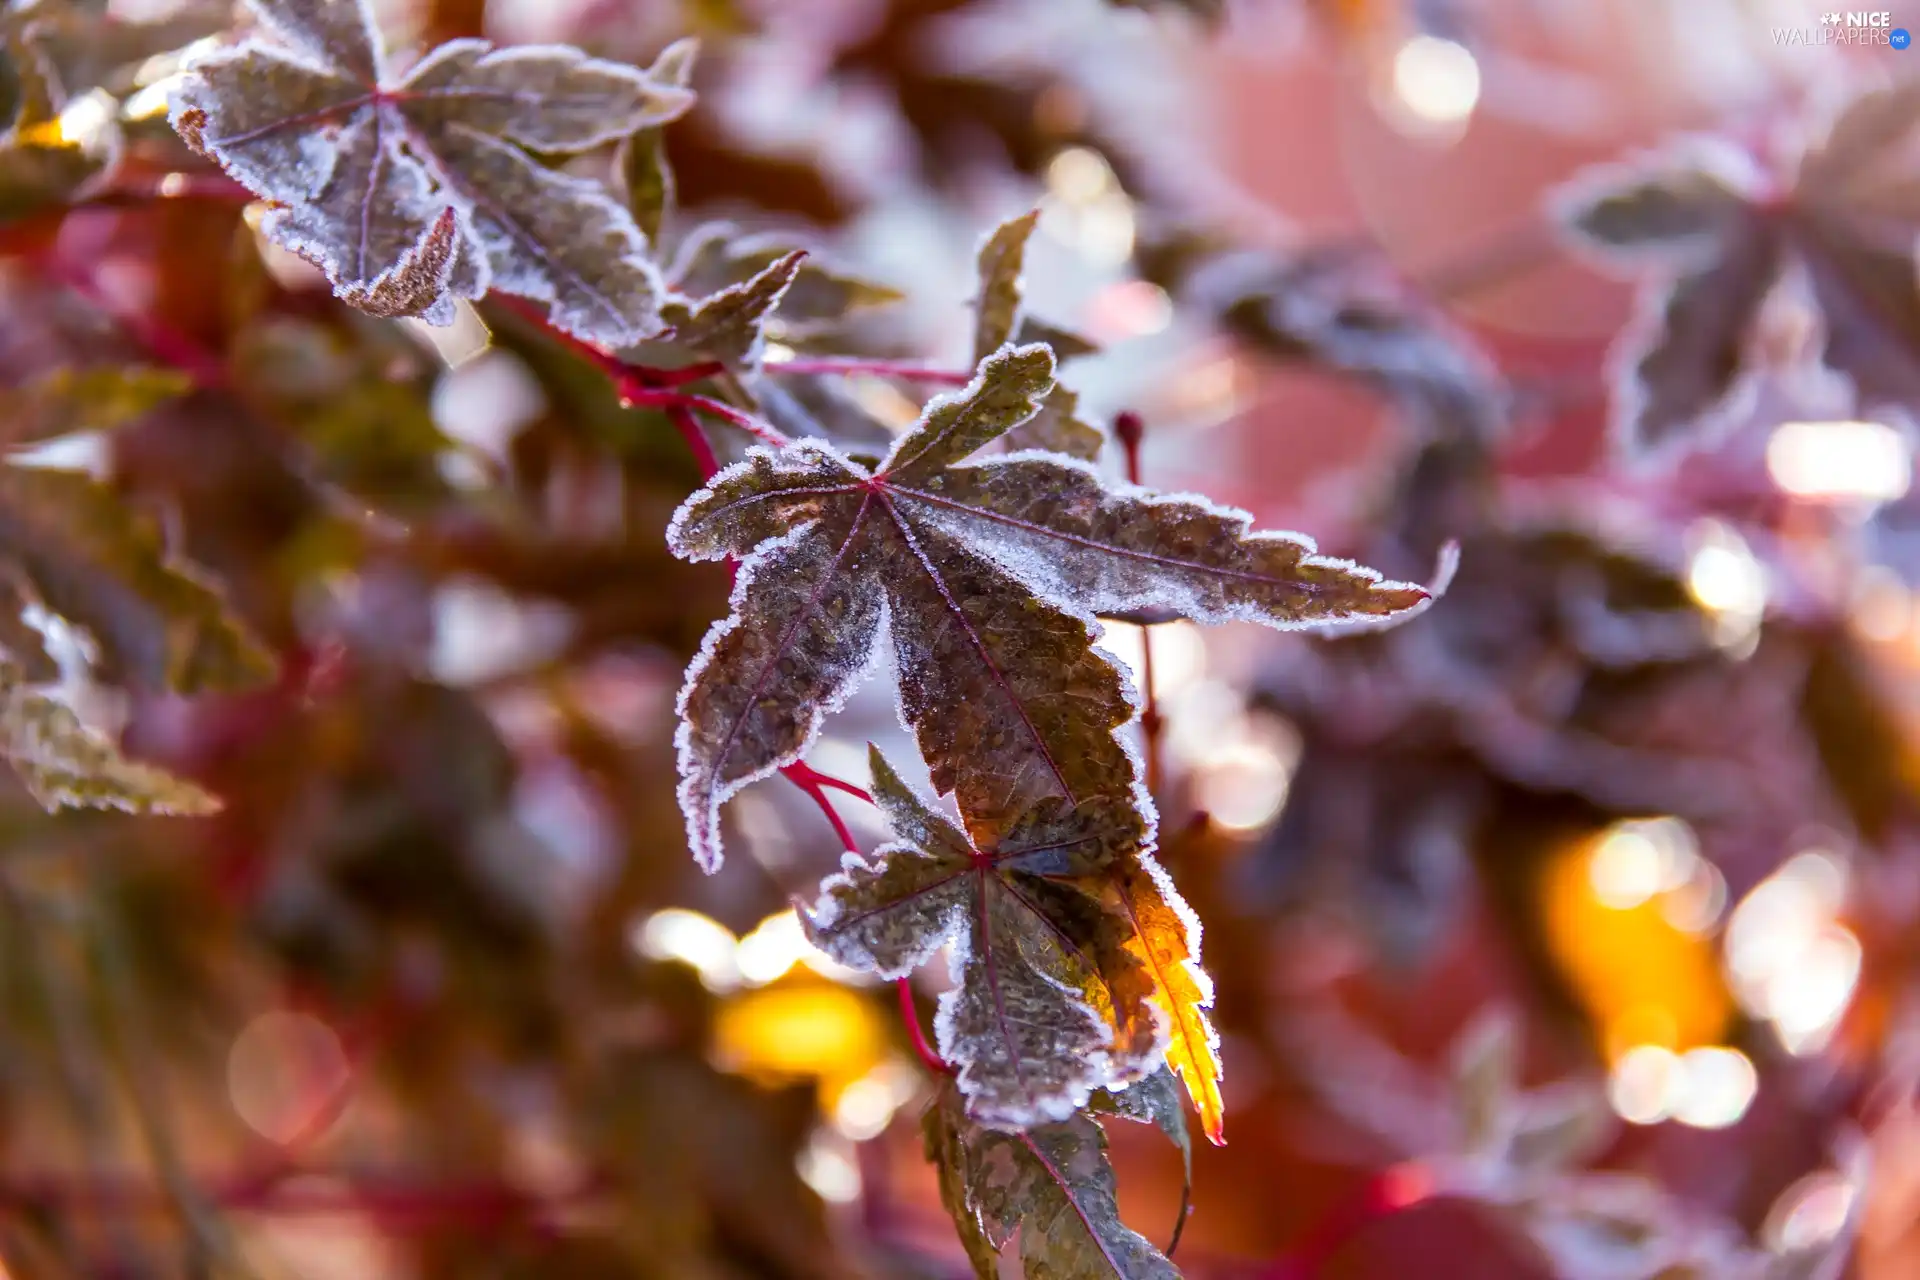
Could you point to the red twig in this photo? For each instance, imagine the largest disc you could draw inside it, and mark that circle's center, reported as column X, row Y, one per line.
column 878, row 368
column 911, row 1016
column 638, row 384
column 166, row 345
column 803, row 769
column 1129, row 429
column 811, row 782
column 686, row 374
column 634, row 387
column 697, row 443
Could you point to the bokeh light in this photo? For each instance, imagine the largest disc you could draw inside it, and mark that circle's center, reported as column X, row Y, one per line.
column 283, row 1073
column 1626, row 914
column 1437, row 81
column 692, row 939
column 1789, row 959
column 1728, row 581
column 1840, row 461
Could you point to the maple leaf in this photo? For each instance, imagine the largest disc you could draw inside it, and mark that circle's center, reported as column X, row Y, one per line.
column 986, row 577
column 88, row 558
column 411, row 193
column 726, row 287
column 998, row 318
column 1341, row 310
column 1720, row 238
column 1164, row 936
column 731, row 325
column 1052, row 1184
column 716, row 255
column 1155, row 1100
column 1030, row 1025
column 641, row 160
column 64, row 764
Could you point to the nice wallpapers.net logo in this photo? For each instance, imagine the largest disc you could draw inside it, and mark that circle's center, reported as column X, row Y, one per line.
column 1864, row 27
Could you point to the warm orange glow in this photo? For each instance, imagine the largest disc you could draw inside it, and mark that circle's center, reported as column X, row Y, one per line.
column 1643, row 980
column 803, row 1027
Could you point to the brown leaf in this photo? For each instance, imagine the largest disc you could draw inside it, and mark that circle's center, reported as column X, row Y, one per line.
column 731, row 325
column 94, row 562
column 717, row 255
column 1053, row 1185
column 1001, row 258
column 1029, row 1025
column 410, row 194
column 1057, row 430
column 66, row 765
column 1850, row 218
column 1155, row 1100
column 998, row 316
column 987, row 575
column 641, row 160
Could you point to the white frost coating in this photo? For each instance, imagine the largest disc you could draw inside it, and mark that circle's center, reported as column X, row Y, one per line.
column 441, row 310
column 614, row 127
column 1190, row 921
column 695, row 243
column 946, row 1039
column 1638, row 338
column 482, row 57
column 271, row 14
column 448, row 52
column 1024, row 553
column 703, row 812
column 683, row 545
column 1730, row 166
column 826, row 913
column 1445, row 566
column 295, row 42
column 916, row 436
column 676, row 535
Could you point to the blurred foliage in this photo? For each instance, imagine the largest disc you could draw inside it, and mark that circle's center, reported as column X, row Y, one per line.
column 430, row 985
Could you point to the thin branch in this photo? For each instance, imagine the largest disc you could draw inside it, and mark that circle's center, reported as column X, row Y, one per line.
column 811, row 782
column 166, row 345
column 1130, row 429
column 697, row 444
column 911, row 1016
column 644, row 385
column 803, row 769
